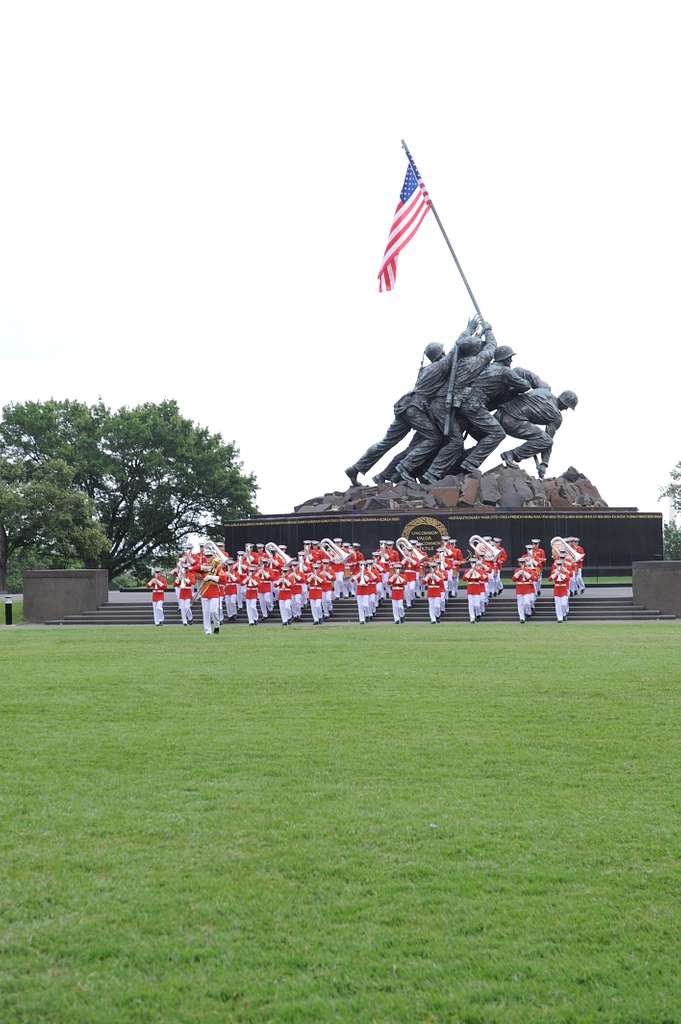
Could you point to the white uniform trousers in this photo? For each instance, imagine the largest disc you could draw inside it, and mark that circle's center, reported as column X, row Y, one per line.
column 473, row 607
column 266, row 604
column 327, row 603
column 362, row 607
column 316, row 609
column 252, row 610
column 562, row 607
column 434, row 608
column 296, row 605
column 185, row 610
column 210, row 607
column 285, row 610
column 338, row 584
column 230, row 605
column 455, row 584
column 398, row 610
column 239, row 597
column 158, row 612
column 525, row 604
column 443, row 601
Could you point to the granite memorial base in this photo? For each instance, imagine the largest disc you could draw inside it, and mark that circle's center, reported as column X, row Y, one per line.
column 613, row 538
column 658, row 585
column 55, row 593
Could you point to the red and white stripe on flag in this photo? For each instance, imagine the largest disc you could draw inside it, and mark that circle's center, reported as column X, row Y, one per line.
column 411, row 210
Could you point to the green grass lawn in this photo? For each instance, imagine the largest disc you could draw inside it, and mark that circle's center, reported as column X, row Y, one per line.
column 341, row 825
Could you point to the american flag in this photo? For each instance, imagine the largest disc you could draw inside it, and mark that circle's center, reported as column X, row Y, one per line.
column 411, row 209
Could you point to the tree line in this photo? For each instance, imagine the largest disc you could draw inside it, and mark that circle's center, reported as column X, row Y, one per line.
column 672, row 532
column 84, row 485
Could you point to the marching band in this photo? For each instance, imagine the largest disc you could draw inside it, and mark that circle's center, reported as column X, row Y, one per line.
column 265, row 575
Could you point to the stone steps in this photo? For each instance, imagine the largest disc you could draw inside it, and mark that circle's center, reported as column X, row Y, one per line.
column 593, row 609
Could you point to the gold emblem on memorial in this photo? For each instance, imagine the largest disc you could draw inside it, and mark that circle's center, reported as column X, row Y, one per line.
column 426, row 531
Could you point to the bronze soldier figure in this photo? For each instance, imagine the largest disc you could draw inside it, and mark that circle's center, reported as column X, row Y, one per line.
column 524, row 416
column 412, row 410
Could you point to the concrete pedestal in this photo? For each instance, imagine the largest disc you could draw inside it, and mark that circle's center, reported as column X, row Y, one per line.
column 657, row 585
column 54, row 593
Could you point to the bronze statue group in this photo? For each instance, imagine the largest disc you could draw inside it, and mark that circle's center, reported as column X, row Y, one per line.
column 471, row 391
column 264, row 580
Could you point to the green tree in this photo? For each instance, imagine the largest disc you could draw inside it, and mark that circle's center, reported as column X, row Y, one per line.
column 672, row 542
column 44, row 516
column 673, row 488
column 672, row 532
column 152, row 475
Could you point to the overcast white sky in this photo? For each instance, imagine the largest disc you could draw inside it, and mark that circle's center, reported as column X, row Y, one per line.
column 195, row 198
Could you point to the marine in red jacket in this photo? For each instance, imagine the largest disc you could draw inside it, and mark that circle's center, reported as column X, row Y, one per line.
column 157, row 584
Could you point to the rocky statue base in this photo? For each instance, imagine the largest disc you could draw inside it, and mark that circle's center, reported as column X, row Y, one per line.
column 501, row 487
column 503, row 502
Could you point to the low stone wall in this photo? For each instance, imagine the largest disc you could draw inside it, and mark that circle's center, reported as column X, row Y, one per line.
column 657, row 585
column 54, row 593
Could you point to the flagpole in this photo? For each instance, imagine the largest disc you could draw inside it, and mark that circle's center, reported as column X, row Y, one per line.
column 444, row 233
column 452, row 372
